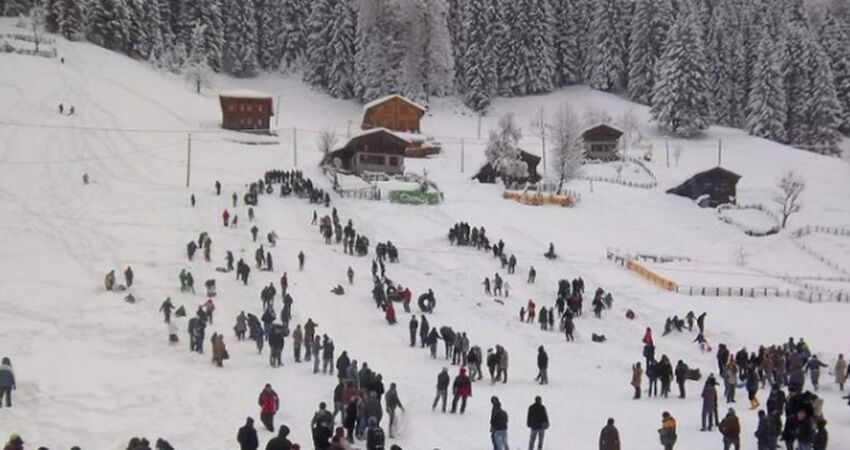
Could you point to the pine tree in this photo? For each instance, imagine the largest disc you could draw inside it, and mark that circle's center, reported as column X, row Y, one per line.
column 510, row 20
column 539, row 64
column 566, row 37
column 295, row 29
column 478, row 84
column 568, row 146
column 239, row 57
column 68, row 18
column 270, row 27
column 837, row 45
column 15, row 8
column 797, row 82
column 642, row 53
column 380, row 49
column 138, row 41
column 340, row 69
column 153, row 28
column 723, row 56
column 428, row 65
column 319, row 34
column 824, row 109
column 51, row 21
column 766, row 110
column 108, row 24
column 680, row 98
column 605, row 67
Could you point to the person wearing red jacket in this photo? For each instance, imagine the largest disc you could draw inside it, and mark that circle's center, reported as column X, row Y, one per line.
column 269, row 404
column 647, row 336
column 225, row 217
column 389, row 313
column 462, row 390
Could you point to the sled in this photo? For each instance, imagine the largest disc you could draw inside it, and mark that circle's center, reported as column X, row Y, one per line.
column 694, row 374
column 222, row 270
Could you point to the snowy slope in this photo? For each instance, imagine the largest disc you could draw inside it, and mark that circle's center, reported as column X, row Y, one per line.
column 94, row 371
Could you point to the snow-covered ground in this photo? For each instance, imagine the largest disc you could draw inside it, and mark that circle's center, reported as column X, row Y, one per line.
column 94, row 371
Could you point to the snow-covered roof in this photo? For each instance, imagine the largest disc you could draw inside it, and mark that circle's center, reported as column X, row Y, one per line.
column 377, row 102
column 601, row 124
column 372, row 131
column 244, row 93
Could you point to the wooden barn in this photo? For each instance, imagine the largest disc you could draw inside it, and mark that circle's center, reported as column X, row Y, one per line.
column 487, row 174
column 245, row 110
column 375, row 150
column 711, row 188
column 393, row 112
column 601, row 142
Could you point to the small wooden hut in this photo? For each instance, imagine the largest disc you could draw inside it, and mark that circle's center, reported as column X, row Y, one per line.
column 711, row 188
column 601, row 142
column 245, row 110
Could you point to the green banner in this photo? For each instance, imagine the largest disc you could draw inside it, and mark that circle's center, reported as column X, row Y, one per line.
column 414, row 197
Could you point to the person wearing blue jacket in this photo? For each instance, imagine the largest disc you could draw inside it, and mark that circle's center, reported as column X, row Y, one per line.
column 7, row 382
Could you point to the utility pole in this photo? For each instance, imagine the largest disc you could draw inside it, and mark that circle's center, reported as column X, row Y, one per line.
column 295, row 146
column 479, row 126
column 277, row 113
column 462, row 156
column 188, row 158
column 348, row 133
column 719, row 152
column 543, row 138
column 667, row 147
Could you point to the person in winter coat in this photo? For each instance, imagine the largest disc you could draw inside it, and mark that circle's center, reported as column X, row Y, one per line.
column 442, row 389
column 322, row 427
column 373, row 407
column 247, row 436
column 375, row 438
column 502, row 373
column 730, row 427
column 281, row 442
column 462, row 389
column 841, row 371
column 538, row 422
column 389, row 313
column 813, row 366
column 7, row 382
column 681, row 376
column 297, row 339
column 219, row 350
column 424, row 331
column 730, row 381
column 166, row 308
column 764, row 432
column 269, row 404
column 647, row 337
column 609, row 437
column 667, row 432
column 542, row 366
column 15, row 443
column 709, row 404
column 413, row 327
column 637, row 378
column 498, row 425
column 393, row 403
column 128, row 276
column 753, row 387
column 821, row 436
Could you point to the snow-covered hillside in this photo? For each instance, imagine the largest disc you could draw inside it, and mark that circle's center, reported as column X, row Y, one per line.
column 94, row 371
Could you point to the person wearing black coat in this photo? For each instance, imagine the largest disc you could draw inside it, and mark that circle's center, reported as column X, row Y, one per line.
column 498, row 425
column 280, row 442
column 542, row 366
column 443, row 381
column 681, row 377
column 764, row 432
column 349, row 419
column 821, row 436
column 247, row 436
column 414, row 326
column 538, row 422
column 375, row 438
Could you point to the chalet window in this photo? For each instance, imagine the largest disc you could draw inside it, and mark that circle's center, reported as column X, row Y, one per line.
column 242, row 108
column 260, row 108
column 231, row 107
column 394, row 161
column 248, row 108
column 376, row 160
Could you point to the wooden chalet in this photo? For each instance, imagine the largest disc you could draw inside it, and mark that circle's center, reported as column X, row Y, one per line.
column 393, row 112
column 601, row 142
column 245, row 110
column 711, row 188
column 375, row 150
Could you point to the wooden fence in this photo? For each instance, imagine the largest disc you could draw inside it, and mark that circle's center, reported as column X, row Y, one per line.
column 635, row 184
column 747, row 230
column 832, row 231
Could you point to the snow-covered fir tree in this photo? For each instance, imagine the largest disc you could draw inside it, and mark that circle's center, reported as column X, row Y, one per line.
column 797, row 73
column 766, row 109
column 503, row 151
column 538, row 49
column 269, row 29
column 478, row 84
column 294, row 31
column 605, row 65
column 428, row 67
column 724, row 54
column 824, row 108
column 340, row 65
column 680, row 97
column 837, row 45
column 380, row 49
column 107, row 23
column 320, row 31
column 239, row 57
column 138, row 41
column 566, row 35
column 68, row 18
column 510, row 20
column 15, row 8
column 643, row 53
